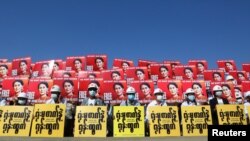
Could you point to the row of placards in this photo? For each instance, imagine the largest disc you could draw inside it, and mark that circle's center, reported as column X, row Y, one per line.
column 91, row 121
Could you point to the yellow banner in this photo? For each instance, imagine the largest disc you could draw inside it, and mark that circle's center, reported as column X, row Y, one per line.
column 164, row 121
column 91, row 121
column 195, row 120
column 231, row 115
column 48, row 120
column 129, row 121
column 15, row 120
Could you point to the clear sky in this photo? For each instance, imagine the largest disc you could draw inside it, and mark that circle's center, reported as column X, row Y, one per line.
column 132, row 29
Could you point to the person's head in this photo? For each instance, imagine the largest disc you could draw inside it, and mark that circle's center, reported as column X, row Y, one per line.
column 23, row 65
column 226, row 90
column 96, row 84
column 173, row 88
column 238, row 95
column 145, row 88
column 158, row 94
column 140, row 74
column 92, row 89
column 18, row 86
column 66, row 74
column 3, row 70
column 91, row 76
column 116, row 75
column 164, row 71
column 68, row 86
column 56, row 66
column 78, row 64
column 55, row 92
column 99, row 61
column 22, row 98
column 45, row 69
column 197, row 88
column 125, row 65
column 43, row 88
column 119, row 88
column 200, row 67
column 190, row 95
column 229, row 66
column 189, row 73
column 173, row 65
column 217, row 76
column 230, row 78
column 217, row 91
column 241, row 76
column 131, row 93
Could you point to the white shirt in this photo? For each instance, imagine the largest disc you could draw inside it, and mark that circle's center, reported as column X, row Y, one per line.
column 91, row 102
column 220, row 101
column 185, row 103
column 2, row 102
column 154, row 103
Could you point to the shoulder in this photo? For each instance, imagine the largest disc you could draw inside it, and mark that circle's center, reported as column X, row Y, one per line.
column 85, row 101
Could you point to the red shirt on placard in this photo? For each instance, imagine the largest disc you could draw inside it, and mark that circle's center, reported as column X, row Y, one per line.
column 39, row 90
column 21, row 66
column 114, row 91
column 123, row 64
column 5, row 70
column 69, row 88
column 97, row 62
column 228, row 65
column 116, row 74
column 144, row 90
column 214, row 75
column 201, row 65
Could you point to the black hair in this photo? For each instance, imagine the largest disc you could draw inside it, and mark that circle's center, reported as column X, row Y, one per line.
column 118, row 83
column 20, row 81
column 78, row 59
column 172, row 83
column 188, row 68
column 67, row 73
column 68, row 81
column 23, row 61
column 145, row 83
column 141, row 70
column 163, row 67
column 45, row 83
column 196, row 83
column 125, row 62
column 4, row 65
column 99, row 58
column 115, row 72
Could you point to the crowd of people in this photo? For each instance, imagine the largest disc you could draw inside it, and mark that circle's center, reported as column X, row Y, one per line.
column 176, row 85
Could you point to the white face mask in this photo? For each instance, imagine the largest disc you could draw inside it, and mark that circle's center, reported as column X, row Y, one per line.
column 218, row 93
column 92, row 93
column 159, row 97
column 21, row 102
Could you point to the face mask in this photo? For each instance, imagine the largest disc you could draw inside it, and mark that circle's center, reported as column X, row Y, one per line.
column 191, row 97
column 159, row 97
column 92, row 93
column 21, row 102
column 218, row 94
column 239, row 100
column 131, row 97
column 54, row 96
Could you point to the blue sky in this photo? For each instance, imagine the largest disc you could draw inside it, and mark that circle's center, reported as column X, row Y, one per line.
column 132, row 29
